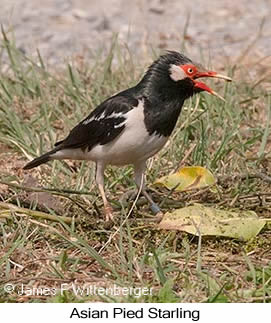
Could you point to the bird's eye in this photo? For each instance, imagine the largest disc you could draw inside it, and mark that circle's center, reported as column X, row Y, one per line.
column 190, row 70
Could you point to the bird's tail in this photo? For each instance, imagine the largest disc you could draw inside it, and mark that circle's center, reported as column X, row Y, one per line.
column 41, row 160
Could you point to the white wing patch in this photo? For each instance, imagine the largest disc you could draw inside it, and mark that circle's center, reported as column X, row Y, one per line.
column 103, row 116
column 87, row 121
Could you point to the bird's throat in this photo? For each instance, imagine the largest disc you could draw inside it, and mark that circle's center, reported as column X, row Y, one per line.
column 161, row 118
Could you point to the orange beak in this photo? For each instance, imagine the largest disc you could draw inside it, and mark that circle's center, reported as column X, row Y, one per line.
column 212, row 74
column 204, row 87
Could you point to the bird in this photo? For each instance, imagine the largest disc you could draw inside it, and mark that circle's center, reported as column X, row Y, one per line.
column 134, row 124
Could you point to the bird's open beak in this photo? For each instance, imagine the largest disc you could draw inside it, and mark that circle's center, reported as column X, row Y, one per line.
column 204, row 87
column 212, row 74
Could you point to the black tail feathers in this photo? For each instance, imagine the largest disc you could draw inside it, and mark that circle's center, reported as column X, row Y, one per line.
column 40, row 160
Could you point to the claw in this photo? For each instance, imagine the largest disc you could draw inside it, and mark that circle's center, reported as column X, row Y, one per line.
column 108, row 213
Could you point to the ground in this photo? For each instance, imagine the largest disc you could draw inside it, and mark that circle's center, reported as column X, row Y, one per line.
column 41, row 98
column 63, row 28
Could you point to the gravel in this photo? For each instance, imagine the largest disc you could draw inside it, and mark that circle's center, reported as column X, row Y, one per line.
column 64, row 28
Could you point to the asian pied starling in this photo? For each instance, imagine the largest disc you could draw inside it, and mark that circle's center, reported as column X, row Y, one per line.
column 133, row 125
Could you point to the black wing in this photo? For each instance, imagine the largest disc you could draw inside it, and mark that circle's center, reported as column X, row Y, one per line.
column 103, row 124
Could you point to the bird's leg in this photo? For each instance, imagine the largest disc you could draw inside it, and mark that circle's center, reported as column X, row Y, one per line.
column 100, row 183
column 140, row 183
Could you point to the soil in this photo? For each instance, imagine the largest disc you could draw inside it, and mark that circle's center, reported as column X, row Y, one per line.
column 64, row 28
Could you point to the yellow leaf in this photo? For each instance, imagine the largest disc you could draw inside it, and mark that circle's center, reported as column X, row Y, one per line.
column 186, row 178
column 206, row 221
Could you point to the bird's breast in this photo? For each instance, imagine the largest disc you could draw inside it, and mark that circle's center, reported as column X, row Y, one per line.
column 133, row 144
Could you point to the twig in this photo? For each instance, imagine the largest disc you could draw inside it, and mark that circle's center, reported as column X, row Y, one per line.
column 46, row 189
column 62, row 193
column 259, row 175
column 198, row 267
column 8, row 208
column 264, row 177
column 181, row 163
column 168, row 195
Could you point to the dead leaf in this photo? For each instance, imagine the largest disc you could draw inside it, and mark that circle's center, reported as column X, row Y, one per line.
column 186, row 178
column 207, row 221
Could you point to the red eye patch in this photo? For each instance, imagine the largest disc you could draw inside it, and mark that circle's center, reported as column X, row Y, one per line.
column 189, row 69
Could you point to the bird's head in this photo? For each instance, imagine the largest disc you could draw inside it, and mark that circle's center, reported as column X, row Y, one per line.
column 183, row 74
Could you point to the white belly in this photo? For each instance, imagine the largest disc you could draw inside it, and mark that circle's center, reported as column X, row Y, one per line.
column 128, row 149
column 132, row 145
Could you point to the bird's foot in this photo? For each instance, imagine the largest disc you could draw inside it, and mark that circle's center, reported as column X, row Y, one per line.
column 108, row 210
column 155, row 208
column 157, row 211
column 131, row 194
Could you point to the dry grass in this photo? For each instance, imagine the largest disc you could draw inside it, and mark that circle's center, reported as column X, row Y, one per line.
column 38, row 107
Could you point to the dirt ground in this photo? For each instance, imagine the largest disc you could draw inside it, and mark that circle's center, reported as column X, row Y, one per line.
column 63, row 28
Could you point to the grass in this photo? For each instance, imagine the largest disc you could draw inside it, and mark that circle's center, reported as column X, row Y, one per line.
column 39, row 106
